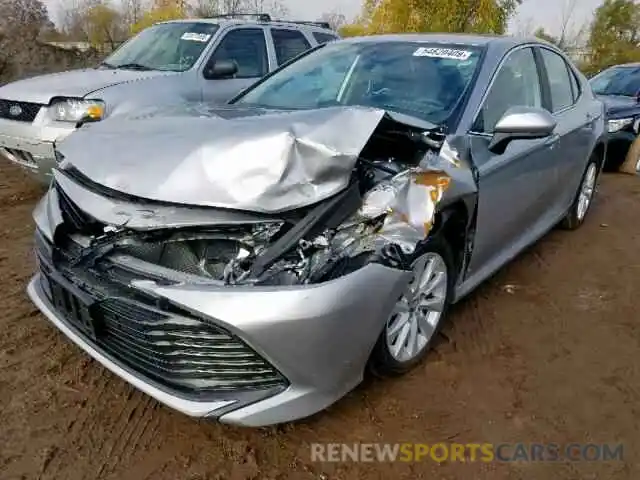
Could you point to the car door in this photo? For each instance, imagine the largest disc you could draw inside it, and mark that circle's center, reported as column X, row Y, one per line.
column 575, row 130
column 247, row 46
column 512, row 184
column 288, row 43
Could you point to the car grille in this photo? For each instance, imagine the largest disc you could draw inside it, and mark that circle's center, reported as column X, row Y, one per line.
column 19, row 111
column 181, row 352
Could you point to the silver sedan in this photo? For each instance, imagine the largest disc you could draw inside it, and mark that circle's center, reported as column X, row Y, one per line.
column 249, row 262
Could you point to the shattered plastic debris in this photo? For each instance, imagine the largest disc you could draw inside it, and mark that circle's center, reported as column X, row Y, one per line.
column 450, row 154
column 412, row 211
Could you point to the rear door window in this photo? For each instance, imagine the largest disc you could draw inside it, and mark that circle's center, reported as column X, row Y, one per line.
column 288, row 44
column 322, row 37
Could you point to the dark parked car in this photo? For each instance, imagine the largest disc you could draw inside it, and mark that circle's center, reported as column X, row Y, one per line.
column 247, row 262
column 619, row 88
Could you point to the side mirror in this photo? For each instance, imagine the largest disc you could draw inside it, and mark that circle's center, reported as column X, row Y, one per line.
column 221, row 69
column 519, row 123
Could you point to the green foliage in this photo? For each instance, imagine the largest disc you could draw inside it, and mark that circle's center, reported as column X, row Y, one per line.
column 472, row 16
column 615, row 35
column 102, row 24
column 160, row 13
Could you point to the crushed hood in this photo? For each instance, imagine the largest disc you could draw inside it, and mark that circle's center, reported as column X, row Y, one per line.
column 264, row 163
column 74, row 83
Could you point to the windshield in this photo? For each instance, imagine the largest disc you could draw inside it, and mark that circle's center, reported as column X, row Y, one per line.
column 422, row 80
column 623, row 81
column 165, row 46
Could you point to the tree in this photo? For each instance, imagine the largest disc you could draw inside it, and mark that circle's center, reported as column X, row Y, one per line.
column 335, row 19
column 21, row 22
column 478, row 16
column 274, row 8
column 542, row 34
column 159, row 13
column 98, row 22
column 103, row 25
column 615, row 34
column 210, row 8
column 132, row 11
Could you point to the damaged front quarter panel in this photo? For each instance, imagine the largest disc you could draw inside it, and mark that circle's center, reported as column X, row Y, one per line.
column 392, row 220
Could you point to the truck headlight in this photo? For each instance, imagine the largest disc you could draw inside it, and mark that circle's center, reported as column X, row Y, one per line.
column 618, row 124
column 77, row 111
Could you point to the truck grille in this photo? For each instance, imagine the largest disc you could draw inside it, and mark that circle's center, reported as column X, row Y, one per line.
column 174, row 349
column 19, row 111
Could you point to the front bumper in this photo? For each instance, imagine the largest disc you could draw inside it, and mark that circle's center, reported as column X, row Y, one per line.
column 318, row 336
column 624, row 136
column 32, row 145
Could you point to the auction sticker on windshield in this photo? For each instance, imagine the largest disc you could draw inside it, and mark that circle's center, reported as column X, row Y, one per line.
column 436, row 52
column 195, row 37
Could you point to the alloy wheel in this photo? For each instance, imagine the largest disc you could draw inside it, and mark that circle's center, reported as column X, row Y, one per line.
column 586, row 191
column 419, row 310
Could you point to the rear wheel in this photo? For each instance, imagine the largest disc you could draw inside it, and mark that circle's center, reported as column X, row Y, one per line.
column 632, row 161
column 418, row 315
column 584, row 197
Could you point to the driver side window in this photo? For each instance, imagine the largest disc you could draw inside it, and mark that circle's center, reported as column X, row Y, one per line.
column 247, row 47
column 517, row 84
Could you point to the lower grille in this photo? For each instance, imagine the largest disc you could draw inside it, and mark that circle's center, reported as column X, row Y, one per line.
column 176, row 350
column 19, row 111
column 183, row 352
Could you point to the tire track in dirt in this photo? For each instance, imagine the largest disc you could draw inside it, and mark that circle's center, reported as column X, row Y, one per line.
column 135, row 423
column 78, row 427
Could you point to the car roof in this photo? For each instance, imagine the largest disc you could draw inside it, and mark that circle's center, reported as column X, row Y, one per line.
column 457, row 38
column 248, row 21
column 626, row 65
column 497, row 43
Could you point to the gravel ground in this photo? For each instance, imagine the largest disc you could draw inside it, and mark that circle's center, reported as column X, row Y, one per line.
column 546, row 351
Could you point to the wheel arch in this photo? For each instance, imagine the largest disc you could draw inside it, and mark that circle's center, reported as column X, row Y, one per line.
column 454, row 223
column 600, row 150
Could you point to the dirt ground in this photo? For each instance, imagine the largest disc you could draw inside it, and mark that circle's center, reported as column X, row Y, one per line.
column 547, row 351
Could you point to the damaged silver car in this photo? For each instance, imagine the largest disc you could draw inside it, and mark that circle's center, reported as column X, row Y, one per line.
column 247, row 263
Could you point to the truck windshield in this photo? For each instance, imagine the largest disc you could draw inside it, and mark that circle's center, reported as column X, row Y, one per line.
column 422, row 80
column 166, row 46
column 623, row 81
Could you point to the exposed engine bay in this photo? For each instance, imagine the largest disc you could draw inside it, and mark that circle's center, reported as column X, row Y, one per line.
column 386, row 211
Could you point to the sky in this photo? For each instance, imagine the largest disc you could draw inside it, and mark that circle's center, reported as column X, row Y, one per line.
column 532, row 13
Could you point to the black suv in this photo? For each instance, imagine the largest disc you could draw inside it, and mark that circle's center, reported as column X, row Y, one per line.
column 619, row 88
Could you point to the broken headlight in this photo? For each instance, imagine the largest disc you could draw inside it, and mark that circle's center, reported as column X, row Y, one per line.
column 214, row 255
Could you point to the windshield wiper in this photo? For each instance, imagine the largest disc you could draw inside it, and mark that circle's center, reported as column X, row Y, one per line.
column 107, row 64
column 132, row 66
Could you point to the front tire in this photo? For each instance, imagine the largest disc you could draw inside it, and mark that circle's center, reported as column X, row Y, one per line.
column 419, row 313
column 584, row 197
